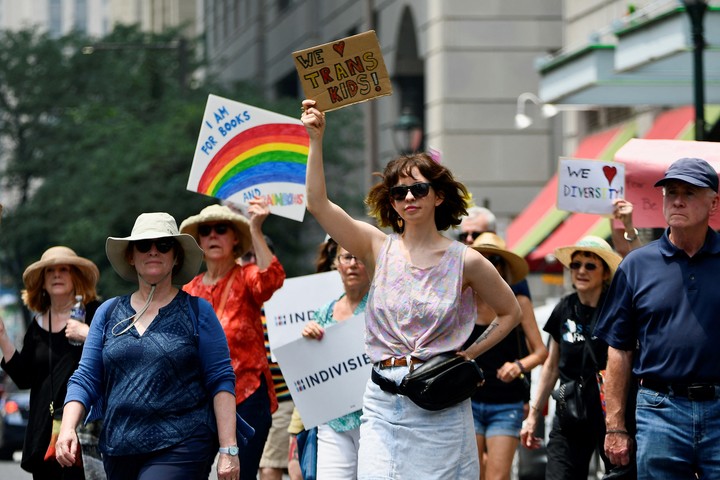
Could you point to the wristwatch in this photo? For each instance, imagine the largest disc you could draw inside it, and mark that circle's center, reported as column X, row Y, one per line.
column 232, row 450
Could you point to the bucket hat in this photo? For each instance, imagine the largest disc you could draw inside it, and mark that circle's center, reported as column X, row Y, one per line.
column 592, row 244
column 33, row 274
column 694, row 171
column 150, row 226
column 491, row 244
column 220, row 213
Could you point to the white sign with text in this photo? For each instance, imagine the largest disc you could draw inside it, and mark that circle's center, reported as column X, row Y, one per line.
column 327, row 377
column 589, row 186
column 291, row 307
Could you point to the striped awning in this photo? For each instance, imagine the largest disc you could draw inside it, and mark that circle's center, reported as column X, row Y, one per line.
column 538, row 221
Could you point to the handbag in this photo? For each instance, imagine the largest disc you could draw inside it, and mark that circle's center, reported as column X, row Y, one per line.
column 571, row 396
column 441, row 382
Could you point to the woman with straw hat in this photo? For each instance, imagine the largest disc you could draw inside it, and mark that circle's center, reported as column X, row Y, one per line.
column 499, row 407
column 575, row 355
column 47, row 358
column 157, row 361
column 237, row 293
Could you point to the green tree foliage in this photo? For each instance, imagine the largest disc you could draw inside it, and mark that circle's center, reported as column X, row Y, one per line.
column 91, row 141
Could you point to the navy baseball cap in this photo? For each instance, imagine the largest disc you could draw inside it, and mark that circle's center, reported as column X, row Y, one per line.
column 694, row 171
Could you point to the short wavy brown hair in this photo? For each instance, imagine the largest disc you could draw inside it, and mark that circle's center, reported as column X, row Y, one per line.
column 454, row 194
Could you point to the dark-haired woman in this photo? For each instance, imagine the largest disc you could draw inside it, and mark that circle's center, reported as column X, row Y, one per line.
column 421, row 303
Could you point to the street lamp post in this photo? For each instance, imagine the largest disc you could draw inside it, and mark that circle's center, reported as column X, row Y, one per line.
column 696, row 11
column 407, row 133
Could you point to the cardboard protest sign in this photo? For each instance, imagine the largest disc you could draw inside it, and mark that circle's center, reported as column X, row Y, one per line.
column 327, row 378
column 589, row 186
column 645, row 163
column 245, row 151
column 344, row 72
column 295, row 304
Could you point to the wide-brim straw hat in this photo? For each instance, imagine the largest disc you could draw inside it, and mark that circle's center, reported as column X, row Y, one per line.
column 150, row 226
column 591, row 244
column 33, row 274
column 220, row 213
column 491, row 244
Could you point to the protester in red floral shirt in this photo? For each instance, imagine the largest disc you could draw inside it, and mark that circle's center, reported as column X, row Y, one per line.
column 237, row 293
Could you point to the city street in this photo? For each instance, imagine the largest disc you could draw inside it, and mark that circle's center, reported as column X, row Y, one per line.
column 10, row 470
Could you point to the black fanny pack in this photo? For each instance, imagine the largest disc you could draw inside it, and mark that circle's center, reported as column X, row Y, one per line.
column 441, row 382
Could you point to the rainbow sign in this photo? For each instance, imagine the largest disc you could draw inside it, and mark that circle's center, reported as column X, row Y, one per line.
column 244, row 152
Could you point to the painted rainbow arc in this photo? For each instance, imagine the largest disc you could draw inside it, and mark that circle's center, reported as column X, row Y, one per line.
column 275, row 152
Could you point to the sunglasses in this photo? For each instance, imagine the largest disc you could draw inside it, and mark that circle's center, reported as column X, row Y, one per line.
column 495, row 259
column 419, row 190
column 462, row 236
column 220, row 228
column 347, row 259
column 163, row 245
column 588, row 266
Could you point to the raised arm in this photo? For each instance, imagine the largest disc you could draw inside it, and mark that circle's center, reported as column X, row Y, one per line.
column 359, row 238
column 489, row 286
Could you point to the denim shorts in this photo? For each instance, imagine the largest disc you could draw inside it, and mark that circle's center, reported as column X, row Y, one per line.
column 494, row 419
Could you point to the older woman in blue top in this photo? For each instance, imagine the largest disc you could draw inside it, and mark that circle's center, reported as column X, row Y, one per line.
column 158, row 362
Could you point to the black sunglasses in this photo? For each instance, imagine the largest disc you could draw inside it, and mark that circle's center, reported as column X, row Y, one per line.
column 462, row 236
column 419, row 190
column 588, row 266
column 163, row 245
column 220, row 228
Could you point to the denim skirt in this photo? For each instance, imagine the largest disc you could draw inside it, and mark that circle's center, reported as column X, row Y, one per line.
column 399, row 440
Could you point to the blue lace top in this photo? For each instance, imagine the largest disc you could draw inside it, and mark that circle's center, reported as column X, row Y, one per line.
column 156, row 387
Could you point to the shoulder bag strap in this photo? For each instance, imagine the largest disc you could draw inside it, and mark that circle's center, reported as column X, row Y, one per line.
column 226, row 294
column 50, row 361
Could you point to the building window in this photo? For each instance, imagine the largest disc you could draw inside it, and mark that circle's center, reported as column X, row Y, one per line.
column 81, row 16
column 55, row 17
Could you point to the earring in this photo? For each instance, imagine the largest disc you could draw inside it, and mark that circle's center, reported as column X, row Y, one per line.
column 400, row 223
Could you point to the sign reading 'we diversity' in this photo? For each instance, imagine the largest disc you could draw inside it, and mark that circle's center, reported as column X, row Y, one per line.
column 245, row 152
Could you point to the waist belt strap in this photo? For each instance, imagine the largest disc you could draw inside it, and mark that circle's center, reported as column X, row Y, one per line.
column 385, row 384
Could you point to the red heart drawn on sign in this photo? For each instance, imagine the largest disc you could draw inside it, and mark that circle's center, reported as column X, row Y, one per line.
column 610, row 173
column 339, row 47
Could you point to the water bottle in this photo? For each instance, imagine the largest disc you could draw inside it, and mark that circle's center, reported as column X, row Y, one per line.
column 77, row 313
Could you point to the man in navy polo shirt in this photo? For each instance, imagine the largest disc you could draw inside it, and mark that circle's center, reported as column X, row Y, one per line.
column 662, row 322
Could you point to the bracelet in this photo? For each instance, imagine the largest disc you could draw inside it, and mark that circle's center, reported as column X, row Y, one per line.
column 534, row 407
column 621, row 432
column 629, row 238
column 519, row 364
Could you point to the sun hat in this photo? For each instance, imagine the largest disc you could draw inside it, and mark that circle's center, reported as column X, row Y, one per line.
column 491, row 244
column 150, row 226
column 694, row 171
column 592, row 244
column 220, row 213
column 33, row 274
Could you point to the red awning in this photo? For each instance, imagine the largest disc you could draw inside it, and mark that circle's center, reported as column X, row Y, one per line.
column 575, row 227
column 541, row 216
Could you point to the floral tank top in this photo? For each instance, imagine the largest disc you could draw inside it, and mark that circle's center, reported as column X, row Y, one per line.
column 418, row 311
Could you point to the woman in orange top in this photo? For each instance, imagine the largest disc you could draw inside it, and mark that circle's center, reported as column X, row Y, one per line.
column 237, row 293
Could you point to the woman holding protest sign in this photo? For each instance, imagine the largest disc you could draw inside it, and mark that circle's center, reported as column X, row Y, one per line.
column 339, row 439
column 421, row 304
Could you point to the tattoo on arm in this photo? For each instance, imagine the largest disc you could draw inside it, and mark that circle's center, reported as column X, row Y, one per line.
column 487, row 332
